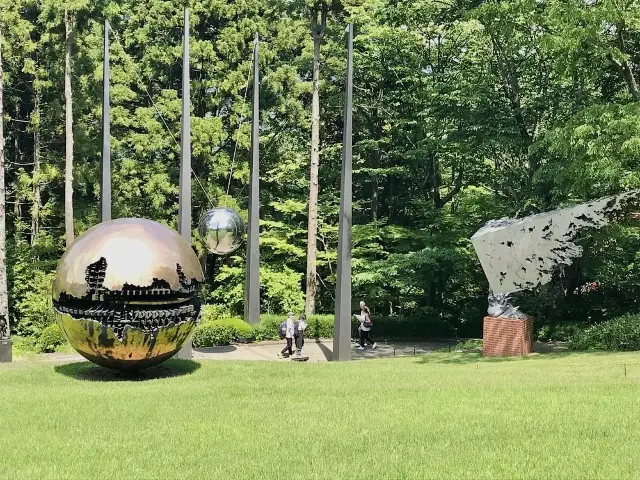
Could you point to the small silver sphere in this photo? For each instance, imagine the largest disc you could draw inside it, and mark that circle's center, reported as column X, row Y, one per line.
column 221, row 230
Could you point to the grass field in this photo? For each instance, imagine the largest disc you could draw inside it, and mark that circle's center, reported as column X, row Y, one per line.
column 438, row 416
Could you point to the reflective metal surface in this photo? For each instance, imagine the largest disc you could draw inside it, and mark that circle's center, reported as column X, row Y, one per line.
column 136, row 250
column 222, row 230
column 125, row 293
column 138, row 349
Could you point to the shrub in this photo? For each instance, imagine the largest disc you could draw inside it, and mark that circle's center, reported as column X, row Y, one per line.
column 34, row 311
column 51, row 338
column 268, row 327
column 212, row 312
column 469, row 345
column 622, row 333
column 320, row 326
column 212, row 334
column 558, row 333
column 239, row 327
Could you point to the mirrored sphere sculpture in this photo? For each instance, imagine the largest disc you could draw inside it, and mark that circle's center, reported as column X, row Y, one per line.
column 125, row 293
column 221, row 230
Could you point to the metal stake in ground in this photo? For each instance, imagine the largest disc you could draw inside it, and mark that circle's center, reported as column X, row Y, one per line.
column 342, row 322
column 252, row 282
column 105, row 180
column 184, row 202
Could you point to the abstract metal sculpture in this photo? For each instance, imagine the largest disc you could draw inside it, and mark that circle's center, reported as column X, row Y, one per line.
column 222, row 230
column 521, row 254
column 125, row 293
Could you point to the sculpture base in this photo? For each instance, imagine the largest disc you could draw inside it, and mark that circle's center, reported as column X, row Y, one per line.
column 502, row 337
column 6, row 350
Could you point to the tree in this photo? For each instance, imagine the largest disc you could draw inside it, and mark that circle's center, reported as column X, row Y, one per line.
column 318, row 28
column 4, row 296
column 68, row 110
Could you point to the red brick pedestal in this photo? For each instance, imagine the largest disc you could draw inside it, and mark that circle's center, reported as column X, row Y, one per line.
column 503, row 337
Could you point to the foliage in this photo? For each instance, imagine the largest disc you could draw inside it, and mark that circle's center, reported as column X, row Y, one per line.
column 211, row 313
column 468, row 346
column 212, row 334
column 51, row 338
column 318, row 326
column 622, row 333
column 464, row 112
column 239, row 327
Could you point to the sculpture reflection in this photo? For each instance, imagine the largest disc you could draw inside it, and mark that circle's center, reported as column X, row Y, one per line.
column 125, row 293
column 221, row 230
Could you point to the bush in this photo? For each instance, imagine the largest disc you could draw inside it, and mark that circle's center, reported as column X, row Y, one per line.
column 34, row 310
column 268, row 327
column 51, row 338
column 558, row 333
column 213, row 312
column 469, row 345
column 427, row 326
column 622, row 333
column 239, row 327
column 212, row 334
column 318, row 326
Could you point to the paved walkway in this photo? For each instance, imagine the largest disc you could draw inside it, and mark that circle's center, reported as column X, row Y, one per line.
column 316, row 350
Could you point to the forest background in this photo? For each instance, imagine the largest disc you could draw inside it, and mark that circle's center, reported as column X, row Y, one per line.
column 464, row 111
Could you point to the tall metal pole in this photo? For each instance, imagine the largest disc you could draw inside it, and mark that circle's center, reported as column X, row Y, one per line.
column 252, row 281
column 342, row 325
column 184, row 201
column 105, row 179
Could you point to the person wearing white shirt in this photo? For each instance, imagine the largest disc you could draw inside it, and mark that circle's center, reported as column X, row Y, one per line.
column 290, row 329
column 300, row 326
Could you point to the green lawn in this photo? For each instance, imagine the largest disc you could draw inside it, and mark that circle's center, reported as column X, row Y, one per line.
column 438, row 416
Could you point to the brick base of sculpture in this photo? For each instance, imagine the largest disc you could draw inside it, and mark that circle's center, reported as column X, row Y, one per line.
column 507, row 337
column 5, row 350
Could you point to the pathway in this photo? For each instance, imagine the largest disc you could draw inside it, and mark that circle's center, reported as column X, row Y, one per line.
column 316, row 350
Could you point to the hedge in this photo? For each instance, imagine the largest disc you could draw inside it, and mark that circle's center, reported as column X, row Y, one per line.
column 212, row 334
column 622, row 333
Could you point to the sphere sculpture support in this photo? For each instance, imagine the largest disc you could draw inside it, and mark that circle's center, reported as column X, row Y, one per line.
column 125, row 293
column 342, row 321
column 184, row 200
column 252, row 280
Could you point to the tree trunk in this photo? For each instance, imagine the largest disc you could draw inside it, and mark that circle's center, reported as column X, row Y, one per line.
column 4, row 294
column 17, row 159
column 317, row 33
column 68, row 172
column 35, row 211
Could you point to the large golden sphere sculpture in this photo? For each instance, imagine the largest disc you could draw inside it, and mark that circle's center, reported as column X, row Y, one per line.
column 125, row 293
column 221, row 230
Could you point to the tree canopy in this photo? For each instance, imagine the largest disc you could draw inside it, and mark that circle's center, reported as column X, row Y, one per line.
column 464, row 111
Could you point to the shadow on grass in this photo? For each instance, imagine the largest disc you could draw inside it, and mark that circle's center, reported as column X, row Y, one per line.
column 466, row 358
column 89, row 371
